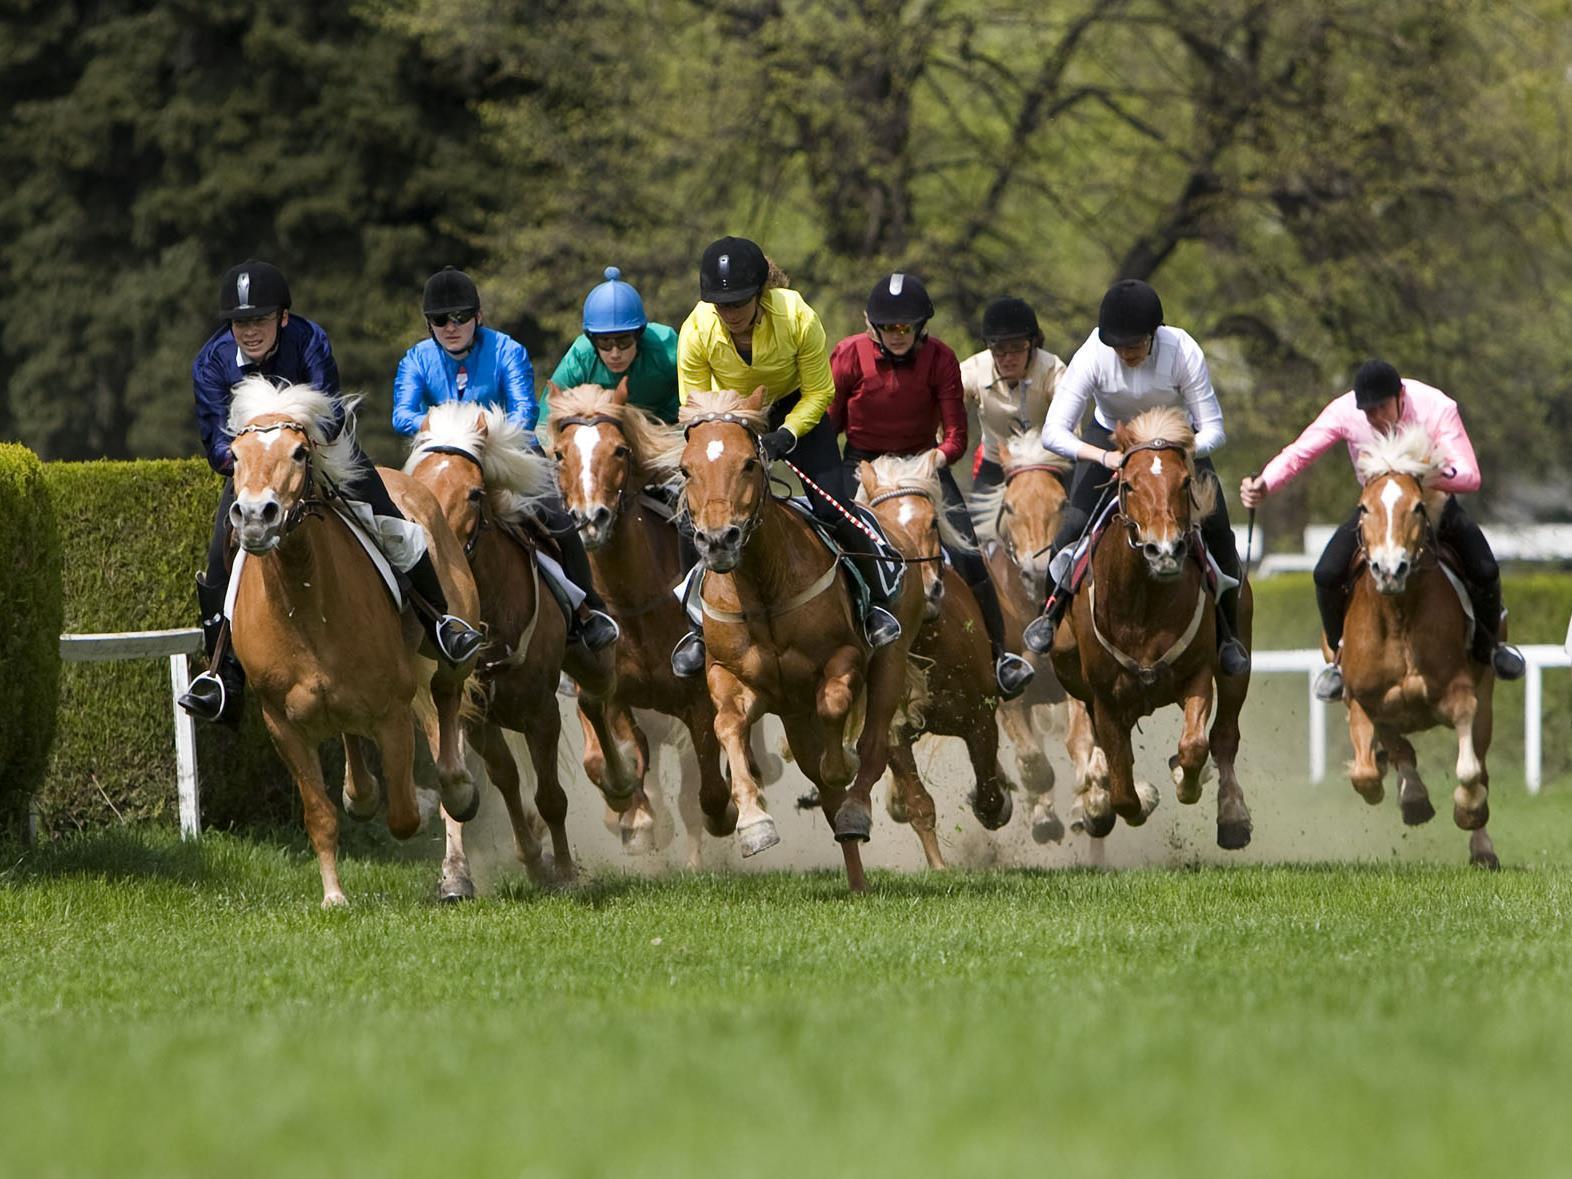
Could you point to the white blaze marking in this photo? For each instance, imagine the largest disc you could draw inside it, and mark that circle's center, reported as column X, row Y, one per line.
column 586, row 439
column 716, row 448
column 904, row 516
column 1157, row 464
column 1390, row 494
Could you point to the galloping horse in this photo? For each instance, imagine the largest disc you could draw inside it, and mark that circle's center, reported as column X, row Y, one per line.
column 781, row 630
column 1021, row 515
column 1142, row 632
column 954, row 692
column 605, row 451
column 1405, row 652
column 317, row 632
column 484, row 474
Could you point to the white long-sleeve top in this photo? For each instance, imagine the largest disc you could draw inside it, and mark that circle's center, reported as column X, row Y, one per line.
column 1174, row 373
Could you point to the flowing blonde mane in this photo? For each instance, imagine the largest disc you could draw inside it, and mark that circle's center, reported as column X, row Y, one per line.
column 647, row 435
column 703, row 403
column 913, row 473
column 516, row 477
column 257, row 397
column 1169, row 424
column 1024, row 448
column 1410, row 451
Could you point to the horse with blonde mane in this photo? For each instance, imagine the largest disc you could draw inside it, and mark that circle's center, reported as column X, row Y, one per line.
column 1405, row 657
column 1141, row 633
column 605, row 451
column 1016, row 521
column 480, row 467
column 323, row 645
column 951, row 686
column 781, row 631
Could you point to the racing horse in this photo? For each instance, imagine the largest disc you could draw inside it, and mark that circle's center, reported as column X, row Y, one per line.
column 480, row 467
column 322, row 643
column 1017, row 521
column 1405, row 656
column 1141, row 633
column 781, row 629
column 951, row 686
column 605, row 451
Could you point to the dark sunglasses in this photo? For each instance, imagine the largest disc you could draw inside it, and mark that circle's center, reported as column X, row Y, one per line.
column 614, row 343
column 732, row 304
column 897, row 329
column 450, row 317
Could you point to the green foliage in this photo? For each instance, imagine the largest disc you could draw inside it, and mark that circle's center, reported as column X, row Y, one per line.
column 29, row 626
column 133, row 537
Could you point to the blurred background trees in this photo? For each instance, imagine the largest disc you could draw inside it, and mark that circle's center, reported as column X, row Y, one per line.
column 1306, row 183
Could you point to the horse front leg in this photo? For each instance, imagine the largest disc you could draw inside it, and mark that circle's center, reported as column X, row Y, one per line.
column 488, row 740
column 445, row 737
column 611, row 754
column 1233, row 817
column 1365, row 770
column 737, row 707
column 1413, row 798
column 1189, row 763
column 1034, row 772
column 720, row 812
column 1113, row 737
column 300, row 756
column 916, row 803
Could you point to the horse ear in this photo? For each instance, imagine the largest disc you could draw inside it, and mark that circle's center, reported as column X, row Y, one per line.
column 933, row 457
column 552, row 392
column 480, row 423
column 619, row 395
column 754, row 402
column 867, row 477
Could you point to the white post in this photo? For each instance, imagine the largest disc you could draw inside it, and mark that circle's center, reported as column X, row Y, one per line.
column 1317, row 734
column 1533, row 695
column 185, row 754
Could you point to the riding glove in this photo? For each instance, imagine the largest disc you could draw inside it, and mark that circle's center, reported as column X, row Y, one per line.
column 778, row 443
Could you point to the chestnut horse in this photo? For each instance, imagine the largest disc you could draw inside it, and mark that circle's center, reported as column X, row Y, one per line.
column 1141, row 632
column 1020, row 517
column 484, row 474
column 951, row 690
column 1405, row 656
column 781, row 630
column 323, row 646
column 605, row 451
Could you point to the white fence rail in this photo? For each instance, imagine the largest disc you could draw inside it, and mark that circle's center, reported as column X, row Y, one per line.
column 1539, row 656
column 147, row 644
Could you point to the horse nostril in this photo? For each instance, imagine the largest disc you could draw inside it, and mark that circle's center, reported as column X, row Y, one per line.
column 732, row 535
column 1151, row 550
column 601, row 516
column 236, row 516
column 269, row 512
column 1181, row 547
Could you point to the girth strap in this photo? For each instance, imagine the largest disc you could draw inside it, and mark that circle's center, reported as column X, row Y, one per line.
column 1148, row 675
column 802, row 598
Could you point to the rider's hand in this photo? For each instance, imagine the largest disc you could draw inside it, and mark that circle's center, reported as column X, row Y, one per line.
column 1112, row 459
column 778, row 443
column 939, row 461
column 1252, row 491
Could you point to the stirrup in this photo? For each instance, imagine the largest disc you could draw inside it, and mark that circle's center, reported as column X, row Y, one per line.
column 1508, row 662
column 687, row 657
column 1234, row 659
column 208, row 699
column 1038, row 635
column 595, row 630
column 1013, row 675
column 880, row 627
column 456, row 639
column 1328, row 687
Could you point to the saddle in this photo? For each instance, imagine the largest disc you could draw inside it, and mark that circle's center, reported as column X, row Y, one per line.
column 888, row 570
column 1449, row 563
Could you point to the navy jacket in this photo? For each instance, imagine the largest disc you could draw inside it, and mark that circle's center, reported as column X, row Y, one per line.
column 304, row 356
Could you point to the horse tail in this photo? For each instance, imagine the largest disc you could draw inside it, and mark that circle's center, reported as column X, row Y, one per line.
column 911, row 714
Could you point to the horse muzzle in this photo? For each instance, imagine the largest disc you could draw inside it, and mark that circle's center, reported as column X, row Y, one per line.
column 933, row 599
column 1164, row 558
column 1390, row 573
column 258, row 522
column 720, row 549
column 594, row 526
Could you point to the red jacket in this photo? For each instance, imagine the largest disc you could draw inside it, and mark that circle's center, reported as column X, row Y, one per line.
column 898, row 408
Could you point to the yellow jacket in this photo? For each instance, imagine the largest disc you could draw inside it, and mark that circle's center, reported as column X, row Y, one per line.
column 789, row 353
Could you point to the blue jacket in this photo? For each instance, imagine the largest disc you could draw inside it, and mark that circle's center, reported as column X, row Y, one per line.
column 304, row 356
column 496, row 371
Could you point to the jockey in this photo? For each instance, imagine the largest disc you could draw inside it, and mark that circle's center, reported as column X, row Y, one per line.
column 261, row 337
column 1130, row 363
column 620, row 342
column 895, row 385
column 750, row 329
column 463, row 360
column 1383, row 401
column 1010, row 381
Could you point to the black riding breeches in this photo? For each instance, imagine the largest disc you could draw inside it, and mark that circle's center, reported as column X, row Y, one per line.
column 818, row 456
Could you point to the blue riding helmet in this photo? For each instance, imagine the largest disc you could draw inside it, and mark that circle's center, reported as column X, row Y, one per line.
column 613, row 306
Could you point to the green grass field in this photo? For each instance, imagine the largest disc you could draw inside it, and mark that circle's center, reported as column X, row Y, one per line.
column 171, row 1009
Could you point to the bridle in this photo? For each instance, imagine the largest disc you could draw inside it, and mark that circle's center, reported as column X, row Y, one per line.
column 309, row 504
column 1123, row 483
column 604, row 419
column 752, row 523
column 481, row 521
column 1004, row 509
column 1429, row 549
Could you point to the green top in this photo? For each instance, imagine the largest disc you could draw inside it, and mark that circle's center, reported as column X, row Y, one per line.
column 652, row 377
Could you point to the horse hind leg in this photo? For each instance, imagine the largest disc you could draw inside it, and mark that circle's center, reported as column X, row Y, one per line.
column 300, row 756
column 1413, row 799
column 636, row 825
column 542, row 728
column 1234, row 827
column 362, row 790
column 916, row 802
column 1034, row 772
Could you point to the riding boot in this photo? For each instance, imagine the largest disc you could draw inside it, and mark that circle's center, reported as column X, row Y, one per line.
column 1331, row 601
column 1232, row 657
column 456, row 640
column 1010, row 671
column 687, row 657
column 879, row 626
column 592, row 626
column 218, row 694
column 1038, row 636
column 1507, row 661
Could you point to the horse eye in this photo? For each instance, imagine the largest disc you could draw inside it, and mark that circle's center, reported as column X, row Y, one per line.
column 622, row 452
column 476, row 494
column 683, row 471
column 557, row 454
column 750, row 464
column 300, row 454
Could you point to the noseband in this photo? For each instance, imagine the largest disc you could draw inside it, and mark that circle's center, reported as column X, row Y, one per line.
column 898, row 493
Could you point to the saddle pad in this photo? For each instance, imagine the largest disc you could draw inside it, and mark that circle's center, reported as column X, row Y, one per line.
column 384, row 567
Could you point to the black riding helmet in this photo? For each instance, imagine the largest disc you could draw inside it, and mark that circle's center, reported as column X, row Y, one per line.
column 450, row 290
column 1130, row 312
column 252, row 289
column 732, row 270
column 1375, row 381
column 899, row 298
column 1010, row 318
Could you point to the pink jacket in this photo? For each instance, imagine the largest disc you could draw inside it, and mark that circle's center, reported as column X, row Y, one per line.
column 1343, row 421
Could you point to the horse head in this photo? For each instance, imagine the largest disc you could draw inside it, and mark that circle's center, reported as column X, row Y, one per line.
column 280, row 446
column 601, row 444
column 1399, row 506
column 1023, row 511
column 908, row 500
column 724, row 471
column 1160, row 498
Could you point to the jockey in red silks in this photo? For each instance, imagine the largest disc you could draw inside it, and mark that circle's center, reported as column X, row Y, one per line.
column 1382, row 401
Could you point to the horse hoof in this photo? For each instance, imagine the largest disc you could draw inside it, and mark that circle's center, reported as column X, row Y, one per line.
column 542, row 872
column 758, row 836
column 464, row 807
column 363, row 816
column 638, row 841
column 997, row 818
column 1417, row 811
column 454, row 889
column 1233, row 835
column 852, row 823
column 1149, row 798
column 1486, row 860
column 1098, row 826
column 723, row 824
column 335, row 900
column 1373, row 795
column 1047, row 828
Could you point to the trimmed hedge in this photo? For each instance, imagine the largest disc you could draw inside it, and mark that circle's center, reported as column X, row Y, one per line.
column 133, row 537
column 29, row 626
